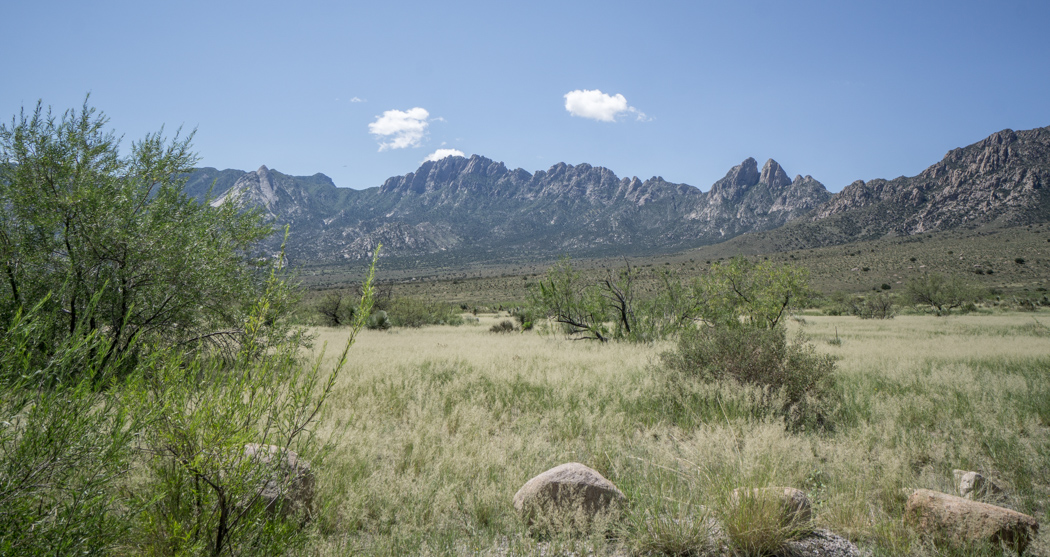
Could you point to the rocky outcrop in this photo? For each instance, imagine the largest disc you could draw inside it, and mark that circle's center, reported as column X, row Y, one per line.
column 955, row 519
column 1002, row 179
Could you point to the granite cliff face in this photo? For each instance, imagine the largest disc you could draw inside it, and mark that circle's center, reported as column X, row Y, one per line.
column 476, row 208
column 1001, row 180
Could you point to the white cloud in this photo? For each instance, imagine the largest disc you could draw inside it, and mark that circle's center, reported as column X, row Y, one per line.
column 398, row 129
column 442, row 153
column 594, row 104
column 357, row 100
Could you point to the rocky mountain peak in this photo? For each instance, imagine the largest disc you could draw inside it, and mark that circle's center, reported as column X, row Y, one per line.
column 737, row 181
column 773, row 176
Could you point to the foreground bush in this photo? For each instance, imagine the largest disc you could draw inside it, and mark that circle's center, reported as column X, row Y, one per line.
column 796, row 382
column 61, row 445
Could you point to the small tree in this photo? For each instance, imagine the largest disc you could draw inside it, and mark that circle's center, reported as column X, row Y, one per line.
column 577, row 305
column 336, row 309
column 872, row 306
column 940, row 293
column 745, row 341
column 762, row 293
column 86, row 223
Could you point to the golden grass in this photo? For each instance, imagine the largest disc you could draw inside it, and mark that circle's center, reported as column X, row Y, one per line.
column 434, row 430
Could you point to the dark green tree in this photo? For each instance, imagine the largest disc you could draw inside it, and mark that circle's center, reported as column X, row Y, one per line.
column 82, row 221
column 942, row 294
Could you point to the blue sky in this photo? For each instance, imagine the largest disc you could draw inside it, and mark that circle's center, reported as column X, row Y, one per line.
column 364, row 91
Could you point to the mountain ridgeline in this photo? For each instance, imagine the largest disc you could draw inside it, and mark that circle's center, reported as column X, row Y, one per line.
column 459, row 210
column 465, row 209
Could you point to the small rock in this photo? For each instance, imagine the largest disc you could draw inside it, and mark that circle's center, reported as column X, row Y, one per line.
column 822, row 543
column 956, row 519
column 972, row 485
column 566, row 490
column 288, row 482
column 794, row 503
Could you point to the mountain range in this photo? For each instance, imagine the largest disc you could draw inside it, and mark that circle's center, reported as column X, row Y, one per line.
column 461, row 210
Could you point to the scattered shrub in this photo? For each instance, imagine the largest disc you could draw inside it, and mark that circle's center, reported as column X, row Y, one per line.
column 791, row 373
column 337, row 308
column 527, row 317
column 505, row 326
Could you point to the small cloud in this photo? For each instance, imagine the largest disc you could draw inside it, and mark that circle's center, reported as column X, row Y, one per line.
column 594, row 104
column 357, row 100
column 442, row 153
column 398, row 129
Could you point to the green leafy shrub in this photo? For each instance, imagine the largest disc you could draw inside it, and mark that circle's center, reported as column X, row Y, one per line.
column 527, row 317
column 84, row 221
column 379, row 320
column 66, row 438
column 797, row 382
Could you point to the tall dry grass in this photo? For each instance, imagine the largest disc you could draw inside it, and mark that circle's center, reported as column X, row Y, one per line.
column 434, row 429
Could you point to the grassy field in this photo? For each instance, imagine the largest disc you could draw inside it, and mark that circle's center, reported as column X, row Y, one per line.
column 434, row 429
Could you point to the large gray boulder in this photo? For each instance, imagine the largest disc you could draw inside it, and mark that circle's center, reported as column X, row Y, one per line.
column 956, row 519
column 569, row 492
column 286, row 481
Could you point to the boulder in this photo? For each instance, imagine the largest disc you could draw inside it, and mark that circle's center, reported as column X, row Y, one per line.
column 956, row 519
column 571, row 490
column 794, row 504
column 286, row 480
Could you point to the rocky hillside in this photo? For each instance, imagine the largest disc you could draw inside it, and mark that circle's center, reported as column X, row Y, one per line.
column 1001, row 180
column 462, row 209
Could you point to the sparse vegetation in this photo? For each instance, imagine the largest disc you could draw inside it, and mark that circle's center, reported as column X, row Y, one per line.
column 794, row 381
column 469, row 420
